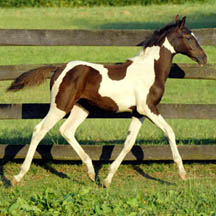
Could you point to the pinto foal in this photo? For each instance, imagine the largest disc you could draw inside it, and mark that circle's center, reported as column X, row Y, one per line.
column 136, row 86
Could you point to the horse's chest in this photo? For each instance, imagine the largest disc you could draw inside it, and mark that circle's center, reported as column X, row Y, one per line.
column 126, row 92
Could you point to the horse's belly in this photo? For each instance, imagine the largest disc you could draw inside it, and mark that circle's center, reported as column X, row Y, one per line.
column 122, row 96
column 125, row 103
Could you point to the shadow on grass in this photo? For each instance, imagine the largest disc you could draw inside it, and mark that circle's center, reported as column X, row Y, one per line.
column 106, row 156
column 98, row 165
column 194, row 20
column 198, row 23
column 44, row 150
column 145, row 175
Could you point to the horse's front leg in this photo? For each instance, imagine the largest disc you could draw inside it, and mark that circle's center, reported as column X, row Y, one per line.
column 159, row 121
column 129, row 142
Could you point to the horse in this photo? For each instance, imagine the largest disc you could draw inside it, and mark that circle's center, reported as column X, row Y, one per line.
column 137, row 86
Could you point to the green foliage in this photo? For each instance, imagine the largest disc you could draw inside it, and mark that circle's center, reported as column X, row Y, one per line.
column 80, row 203
column 84, row 202
column 81, row 3
column 131, row 194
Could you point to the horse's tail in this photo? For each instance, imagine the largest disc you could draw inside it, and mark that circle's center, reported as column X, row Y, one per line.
column 32, row 77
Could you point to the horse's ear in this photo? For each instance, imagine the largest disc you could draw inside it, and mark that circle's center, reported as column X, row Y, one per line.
column 182, row 22
column 177, row 18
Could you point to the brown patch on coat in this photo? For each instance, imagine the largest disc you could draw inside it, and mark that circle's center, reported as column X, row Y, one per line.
column 118, row 71
column 162, row 68
column 82, row 82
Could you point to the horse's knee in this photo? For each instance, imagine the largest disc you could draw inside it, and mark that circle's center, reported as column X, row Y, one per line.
column 37, row 128
column 63, row 132
column 68, row 134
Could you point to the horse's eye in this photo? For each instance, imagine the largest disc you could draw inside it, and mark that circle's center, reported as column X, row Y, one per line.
column 188, row 38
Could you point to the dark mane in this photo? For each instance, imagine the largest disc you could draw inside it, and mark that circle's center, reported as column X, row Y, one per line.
column 158, row 35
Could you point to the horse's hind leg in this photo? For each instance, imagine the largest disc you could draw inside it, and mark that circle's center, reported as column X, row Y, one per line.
column 68, row 129
column 53, row 116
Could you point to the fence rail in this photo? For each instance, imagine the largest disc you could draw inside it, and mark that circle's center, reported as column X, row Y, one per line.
column 186, row 71
column 22, row 37
column 170, row 111
column 37, row 37
column 110, row 152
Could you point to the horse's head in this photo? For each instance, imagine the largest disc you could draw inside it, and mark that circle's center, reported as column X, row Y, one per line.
column 179, row 39
column 184, row 41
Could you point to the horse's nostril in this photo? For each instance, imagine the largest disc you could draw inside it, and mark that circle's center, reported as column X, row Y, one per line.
column 206, row 59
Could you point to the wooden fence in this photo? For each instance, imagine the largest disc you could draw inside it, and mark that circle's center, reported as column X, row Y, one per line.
column 105, row 38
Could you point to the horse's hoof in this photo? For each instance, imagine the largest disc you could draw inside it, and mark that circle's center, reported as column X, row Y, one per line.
column 183, row 176
column 106, row 183
column 14, row 182
column 92, row 176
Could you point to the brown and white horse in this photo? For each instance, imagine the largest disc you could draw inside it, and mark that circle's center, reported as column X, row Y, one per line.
column 136, row 86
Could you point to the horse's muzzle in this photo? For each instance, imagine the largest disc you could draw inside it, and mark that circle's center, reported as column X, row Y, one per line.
column 202, row 60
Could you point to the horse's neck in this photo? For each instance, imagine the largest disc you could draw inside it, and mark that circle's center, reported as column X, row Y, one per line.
column 163, row 64
column 162, row 57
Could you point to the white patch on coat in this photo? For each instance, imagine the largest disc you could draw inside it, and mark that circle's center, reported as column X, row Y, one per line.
column 168, row 45
column 194, row 35
column 149, row 52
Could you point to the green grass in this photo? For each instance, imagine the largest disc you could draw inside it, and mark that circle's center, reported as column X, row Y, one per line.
column 145, row 189
column 200, row 15
column 150, row 189
column 48, row 55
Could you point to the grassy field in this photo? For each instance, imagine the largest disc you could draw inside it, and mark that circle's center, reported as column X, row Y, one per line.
column 150, row 189
column 137, row 189
column 131, row 17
